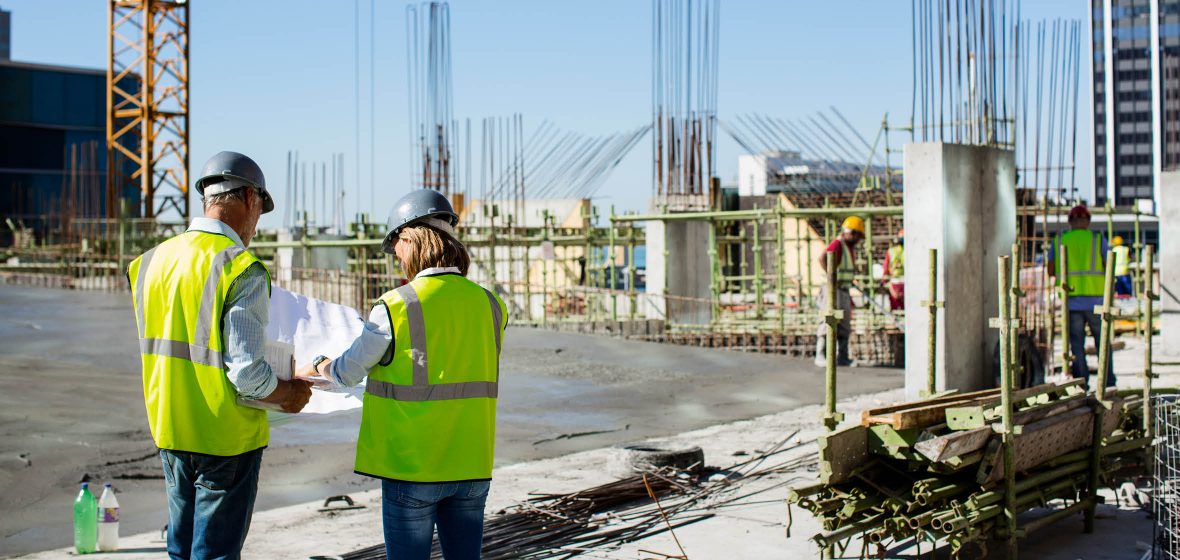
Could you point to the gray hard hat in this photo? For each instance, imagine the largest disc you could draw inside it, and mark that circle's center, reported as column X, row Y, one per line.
column 420, row 207
column 230, row 171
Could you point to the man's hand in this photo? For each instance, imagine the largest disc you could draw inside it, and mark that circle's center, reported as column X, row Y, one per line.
column 291, row 395
column 313, row 375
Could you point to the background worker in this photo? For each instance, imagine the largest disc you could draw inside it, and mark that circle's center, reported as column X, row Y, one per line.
column 851, row 233
column 431, row 350
column 201, row 304
column 895, row 272
column 1123, row 286
column 1086, row 251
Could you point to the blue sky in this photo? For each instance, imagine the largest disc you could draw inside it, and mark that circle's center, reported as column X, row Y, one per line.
column 269, row 76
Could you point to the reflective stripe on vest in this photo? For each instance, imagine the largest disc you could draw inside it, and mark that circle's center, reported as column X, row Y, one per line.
column 422, row 389
column 179, row 292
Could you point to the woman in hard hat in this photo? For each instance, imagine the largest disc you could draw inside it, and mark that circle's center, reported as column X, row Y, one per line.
column 431, row 352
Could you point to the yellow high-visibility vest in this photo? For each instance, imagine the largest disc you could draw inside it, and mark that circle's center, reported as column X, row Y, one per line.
column 897, row 262
column 846, row 269
column 1087, row 267
column 179, row 290
column 1122, row 260
column 430, row 413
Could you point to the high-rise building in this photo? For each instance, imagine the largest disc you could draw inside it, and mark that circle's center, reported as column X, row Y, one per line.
column 1144, row 76
column 5, row 35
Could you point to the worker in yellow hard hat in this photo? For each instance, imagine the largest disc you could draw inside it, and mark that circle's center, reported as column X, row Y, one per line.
column 852, row 231
column 895, row 272
column 1123, row 286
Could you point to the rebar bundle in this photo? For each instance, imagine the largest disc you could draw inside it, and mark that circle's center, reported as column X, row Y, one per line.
column 428, row 83
column 1050, row 66
column 685, row 37
column 964, row 71
column 626, row 510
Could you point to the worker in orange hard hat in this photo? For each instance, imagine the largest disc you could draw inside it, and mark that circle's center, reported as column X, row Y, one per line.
column 895, row 272
column 852, row 231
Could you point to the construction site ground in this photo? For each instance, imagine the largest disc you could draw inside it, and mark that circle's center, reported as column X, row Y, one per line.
column 567, row 400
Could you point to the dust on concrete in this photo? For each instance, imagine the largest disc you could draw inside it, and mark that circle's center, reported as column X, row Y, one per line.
column 71, row 407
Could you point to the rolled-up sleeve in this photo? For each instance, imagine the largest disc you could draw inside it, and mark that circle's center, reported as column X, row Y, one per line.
column 373, row 344
column 247, row 310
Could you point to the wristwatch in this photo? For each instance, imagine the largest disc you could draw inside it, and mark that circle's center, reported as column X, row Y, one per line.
column 315, row 364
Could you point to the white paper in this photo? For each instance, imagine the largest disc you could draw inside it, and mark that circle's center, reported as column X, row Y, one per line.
column 315, row 327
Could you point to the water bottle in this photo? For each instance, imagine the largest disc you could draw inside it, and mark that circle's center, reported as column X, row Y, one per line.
column 108, row 520
column 85, row 520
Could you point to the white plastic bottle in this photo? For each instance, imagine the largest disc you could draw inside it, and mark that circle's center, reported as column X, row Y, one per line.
column 108, row 520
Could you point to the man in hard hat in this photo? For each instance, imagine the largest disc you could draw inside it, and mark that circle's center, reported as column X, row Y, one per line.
column 895, row 272
column 201, row 303
column 852, row 231
column 1123, row 286
column 1086, row 266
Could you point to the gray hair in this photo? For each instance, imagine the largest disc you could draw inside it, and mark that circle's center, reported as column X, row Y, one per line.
column 222, row 200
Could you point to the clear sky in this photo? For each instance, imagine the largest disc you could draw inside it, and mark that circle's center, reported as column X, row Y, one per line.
column 270, row 76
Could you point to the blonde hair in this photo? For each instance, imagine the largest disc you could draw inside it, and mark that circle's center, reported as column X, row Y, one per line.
column 430, row 248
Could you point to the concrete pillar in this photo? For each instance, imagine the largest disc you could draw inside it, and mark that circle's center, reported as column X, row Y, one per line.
column 1169, row 264
column 678, row 266
column 960, row 200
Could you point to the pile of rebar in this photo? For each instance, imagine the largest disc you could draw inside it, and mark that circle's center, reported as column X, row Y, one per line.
column 626, row 510
column 933, row 470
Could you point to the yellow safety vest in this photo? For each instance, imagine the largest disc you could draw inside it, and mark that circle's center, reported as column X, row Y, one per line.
column 846, row 270
column 179, row 290
column 897, row 262
column 1122, row 260
column 1087, row 268
column 430, row 413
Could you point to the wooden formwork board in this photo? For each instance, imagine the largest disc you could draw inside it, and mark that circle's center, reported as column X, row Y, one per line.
column 1048, row 438
column 941, row 448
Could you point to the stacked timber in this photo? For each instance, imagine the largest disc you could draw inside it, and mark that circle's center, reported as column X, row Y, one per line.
column 932, row 470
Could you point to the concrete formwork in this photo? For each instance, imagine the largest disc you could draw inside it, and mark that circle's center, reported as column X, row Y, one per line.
column 678, row 268
column 1169, row 264
column 961, row 201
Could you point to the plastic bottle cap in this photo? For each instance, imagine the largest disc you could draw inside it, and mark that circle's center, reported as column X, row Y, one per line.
column 85, row 485
column 107, row 485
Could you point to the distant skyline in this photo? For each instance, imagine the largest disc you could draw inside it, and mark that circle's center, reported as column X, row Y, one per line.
column 270, row 76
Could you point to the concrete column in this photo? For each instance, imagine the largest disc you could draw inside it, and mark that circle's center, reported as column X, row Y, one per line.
column 1169, row 264
column 678, row 266
column 960, row 200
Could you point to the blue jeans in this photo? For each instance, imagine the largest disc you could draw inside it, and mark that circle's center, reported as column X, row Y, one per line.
column 410, row 511
column 210, row 501
column 1078, row 321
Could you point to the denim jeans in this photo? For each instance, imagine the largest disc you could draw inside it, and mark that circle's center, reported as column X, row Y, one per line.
column 210, row 501
column 410, row 511
column 1078, row 322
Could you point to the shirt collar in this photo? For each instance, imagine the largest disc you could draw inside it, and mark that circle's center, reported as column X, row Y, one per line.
column 210, row 225
column 436, row 270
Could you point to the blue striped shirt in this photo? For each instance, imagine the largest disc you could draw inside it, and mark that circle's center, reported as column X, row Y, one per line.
column 243, row 322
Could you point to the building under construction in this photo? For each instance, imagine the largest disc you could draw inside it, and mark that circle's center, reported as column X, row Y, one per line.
column 980, row 177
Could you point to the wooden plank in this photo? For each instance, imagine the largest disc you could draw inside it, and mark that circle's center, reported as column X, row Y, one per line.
column 841, row 453
column 942, row 448
column 919, row 414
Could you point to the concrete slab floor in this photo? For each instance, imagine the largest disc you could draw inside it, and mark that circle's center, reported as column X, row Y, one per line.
column 71, row 406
